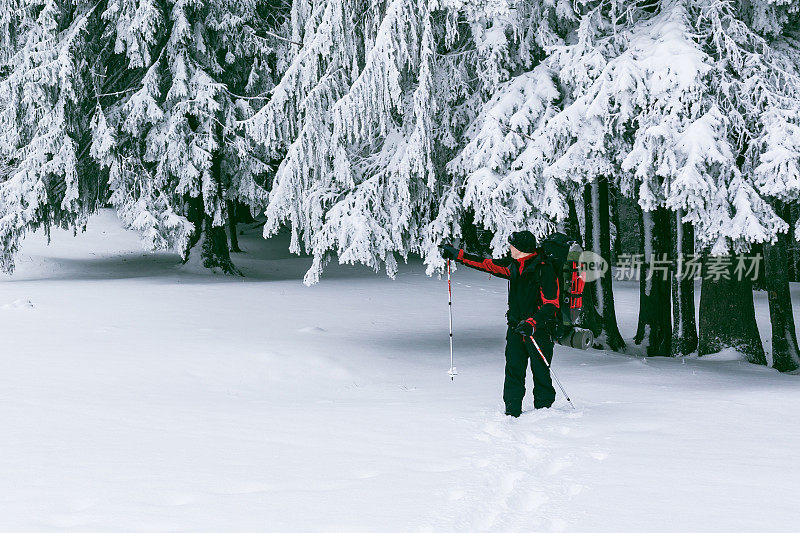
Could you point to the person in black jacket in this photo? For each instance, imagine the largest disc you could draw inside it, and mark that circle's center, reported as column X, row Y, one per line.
column 533, row 301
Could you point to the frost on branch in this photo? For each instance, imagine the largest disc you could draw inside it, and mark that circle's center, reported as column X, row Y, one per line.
column 43, row 86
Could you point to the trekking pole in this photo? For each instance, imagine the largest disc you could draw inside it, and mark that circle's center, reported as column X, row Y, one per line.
column 452, row 372
column 560, row 386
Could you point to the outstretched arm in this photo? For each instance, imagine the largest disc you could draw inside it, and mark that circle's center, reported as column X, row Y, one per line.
column 495, row 267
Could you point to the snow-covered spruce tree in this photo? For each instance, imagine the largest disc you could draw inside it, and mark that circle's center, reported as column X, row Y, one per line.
column 500, row 182
column 571, row 144
column 614, row 84
column 641, row 106
column 497, row 174
column 12, row 20
column 662, row 85
column 46, row 93
column 295, row 124
column 168, row 130
column 364, row 116
column 770, row 85
column 691, row 160
column 749, row 82
column 651, row 115
column 650, row 89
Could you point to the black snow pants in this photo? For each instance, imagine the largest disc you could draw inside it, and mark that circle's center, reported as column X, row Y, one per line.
column 518, row 353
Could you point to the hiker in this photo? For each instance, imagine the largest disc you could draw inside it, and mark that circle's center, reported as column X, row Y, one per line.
column 533, row 301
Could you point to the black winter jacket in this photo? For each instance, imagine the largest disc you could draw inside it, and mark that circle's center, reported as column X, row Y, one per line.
column 533, row 293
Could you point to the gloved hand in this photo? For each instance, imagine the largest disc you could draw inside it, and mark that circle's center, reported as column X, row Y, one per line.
column 526, row 327
column 448, row 252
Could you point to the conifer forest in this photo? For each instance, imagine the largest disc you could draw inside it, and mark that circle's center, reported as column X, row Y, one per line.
column 233, row 227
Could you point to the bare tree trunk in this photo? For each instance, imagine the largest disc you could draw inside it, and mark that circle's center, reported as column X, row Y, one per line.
column 684, row 327
column 616, row 245
column 210, row 241
column 785, row 353
column 655, row 322
column 590, row 318
column 728, row 317
column 572, row 227
column 243, row 215
column 598, row 240
column 792, row 214
column 232, row 227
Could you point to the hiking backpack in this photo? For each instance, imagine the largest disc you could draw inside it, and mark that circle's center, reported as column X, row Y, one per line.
column 565, row 256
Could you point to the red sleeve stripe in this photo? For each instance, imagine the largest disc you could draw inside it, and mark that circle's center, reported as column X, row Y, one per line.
column 460, row 255
column 487, row 265
column 531, row 321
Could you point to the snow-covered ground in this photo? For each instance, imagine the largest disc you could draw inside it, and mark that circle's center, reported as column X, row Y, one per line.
column 138, row 396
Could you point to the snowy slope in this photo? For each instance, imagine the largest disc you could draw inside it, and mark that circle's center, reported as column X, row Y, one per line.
column 139, row 396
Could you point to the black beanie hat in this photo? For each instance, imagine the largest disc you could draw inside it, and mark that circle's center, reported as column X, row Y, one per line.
column 524, row 241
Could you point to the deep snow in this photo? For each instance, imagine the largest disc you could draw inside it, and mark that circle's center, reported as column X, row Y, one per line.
column 140, row 396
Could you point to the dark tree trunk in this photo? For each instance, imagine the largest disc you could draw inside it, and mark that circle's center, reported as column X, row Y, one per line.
column 473, row 237
column 785, row 353
column 728, row 317
column 793, row 256
column 645, row 248
column 684, row 327
column 243, row 214
column 630, row 226
column 598, row 240
column 195, row 213
column 232, row 227
column 573, row 227
column 210, row 241
column 615, row 249
column 216, row 253
column 590, row 318
column 759, row 279
column 655, row 321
